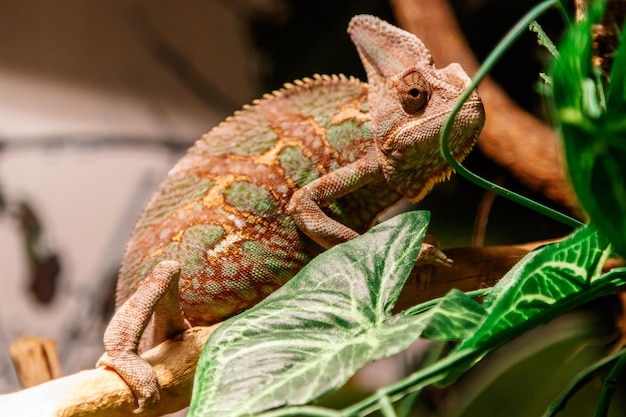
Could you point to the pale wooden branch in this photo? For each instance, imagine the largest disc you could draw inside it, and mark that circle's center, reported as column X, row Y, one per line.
column 102, row 393
column 512, row 137
column 35, row 360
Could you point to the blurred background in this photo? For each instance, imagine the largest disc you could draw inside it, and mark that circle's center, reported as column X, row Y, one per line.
column 99, row 99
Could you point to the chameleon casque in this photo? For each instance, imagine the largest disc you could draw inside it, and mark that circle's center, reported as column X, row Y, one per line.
column 298, row 171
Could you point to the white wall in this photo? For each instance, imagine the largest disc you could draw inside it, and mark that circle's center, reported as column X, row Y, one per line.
column 75, row 72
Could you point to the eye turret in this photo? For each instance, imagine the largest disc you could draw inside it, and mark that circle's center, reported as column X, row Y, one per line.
column 413, row 92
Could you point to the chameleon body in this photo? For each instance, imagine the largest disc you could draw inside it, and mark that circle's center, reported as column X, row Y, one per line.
column 298, row 171
column 222, row 211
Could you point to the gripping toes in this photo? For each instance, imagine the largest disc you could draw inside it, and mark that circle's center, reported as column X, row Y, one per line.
column 122, row 336
column 432, row 255
column 138, row 375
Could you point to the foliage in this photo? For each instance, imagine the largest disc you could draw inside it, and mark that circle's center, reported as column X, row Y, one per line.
column 314, row 333
column 309, row 337
column 320, row 328
column 594, row 129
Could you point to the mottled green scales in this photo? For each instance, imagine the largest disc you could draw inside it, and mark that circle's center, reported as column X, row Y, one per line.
column 298, row 171
column 221, row 211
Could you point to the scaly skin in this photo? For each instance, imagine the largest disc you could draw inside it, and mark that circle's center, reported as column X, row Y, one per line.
column 300, row 170
column 222, row 210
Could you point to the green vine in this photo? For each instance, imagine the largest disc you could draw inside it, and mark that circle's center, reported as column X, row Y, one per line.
column 485, row 68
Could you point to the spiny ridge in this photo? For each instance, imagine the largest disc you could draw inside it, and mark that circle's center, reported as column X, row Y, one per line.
column 294, row 87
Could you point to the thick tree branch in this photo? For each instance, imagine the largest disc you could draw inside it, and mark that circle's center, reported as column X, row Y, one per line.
column 101, row 392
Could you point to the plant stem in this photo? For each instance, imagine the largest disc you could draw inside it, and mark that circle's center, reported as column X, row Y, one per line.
column 608, row 388
column 487, row 65
column 582, row 379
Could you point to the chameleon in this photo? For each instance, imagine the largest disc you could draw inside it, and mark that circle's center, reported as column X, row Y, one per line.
column 296, row 172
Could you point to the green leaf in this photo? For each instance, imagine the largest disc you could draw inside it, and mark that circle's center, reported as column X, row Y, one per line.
column 538, row 282
column 311, row 335
column 594, row 131
column 616, row 97
column 456, row 316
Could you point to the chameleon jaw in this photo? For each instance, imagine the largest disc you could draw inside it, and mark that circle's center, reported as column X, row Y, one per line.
column 430, row 183
column 445, row 173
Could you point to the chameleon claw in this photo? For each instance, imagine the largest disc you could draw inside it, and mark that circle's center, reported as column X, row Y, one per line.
column 432, row 255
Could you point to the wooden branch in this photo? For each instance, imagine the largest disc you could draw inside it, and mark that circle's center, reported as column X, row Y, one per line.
column 512, row 137
column 35, row 360
column 473, row 268
column 101, row 392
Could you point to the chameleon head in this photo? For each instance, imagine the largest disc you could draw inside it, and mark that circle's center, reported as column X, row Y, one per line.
column 410, row 100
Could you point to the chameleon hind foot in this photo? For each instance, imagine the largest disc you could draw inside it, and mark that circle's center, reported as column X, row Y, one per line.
column 156, row 299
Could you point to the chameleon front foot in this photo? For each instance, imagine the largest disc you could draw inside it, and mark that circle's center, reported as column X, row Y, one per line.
column 158, row 294
column 432, row 255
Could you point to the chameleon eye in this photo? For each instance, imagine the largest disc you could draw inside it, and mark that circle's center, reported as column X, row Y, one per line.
column 413, row 93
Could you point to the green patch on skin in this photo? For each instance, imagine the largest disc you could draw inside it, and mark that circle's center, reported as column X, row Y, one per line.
column 345, row 134
column 232, row 284
column 248, row 197
column 195, row 242
column 286, row 223
column 213, row 287
column 257, row 145
column 261, row 252
column 229, row 268
column 180, row 191
column 270, row 264
column 192, row 188
column 323, row 103
column 256, row 249
column 170, row 251
column 250, row 295
column 297, row 167
column 145, row 267
column 248, row 133
column 202, row 236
